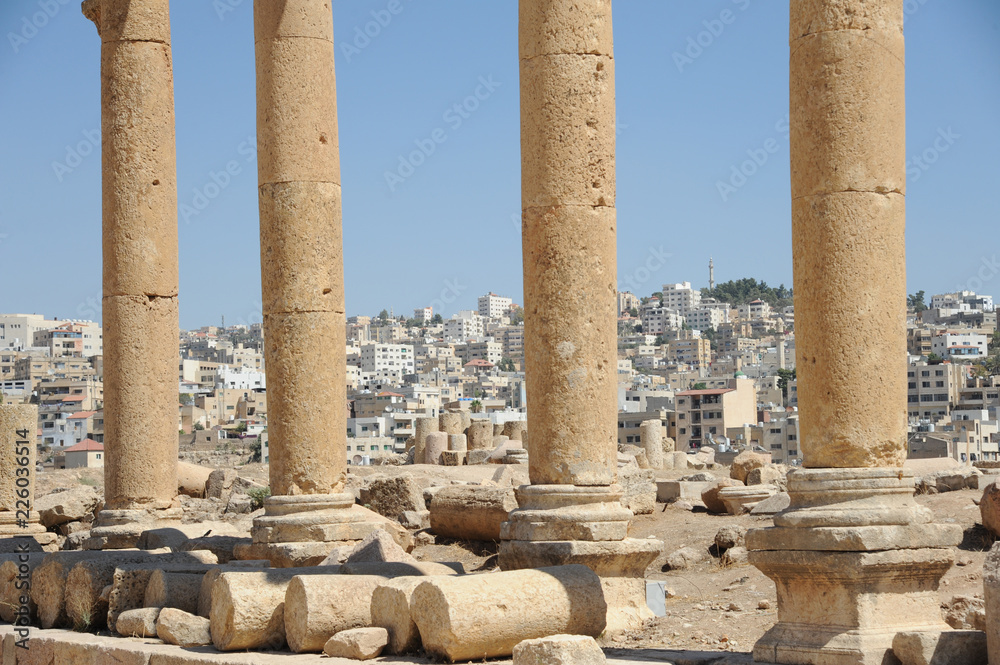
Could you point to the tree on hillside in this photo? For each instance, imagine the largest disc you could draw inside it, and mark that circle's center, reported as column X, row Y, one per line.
column 915, row 301
column 383, row 315
column 436, row 319
column 517, row 316
column 742, row 291
column 784, row 377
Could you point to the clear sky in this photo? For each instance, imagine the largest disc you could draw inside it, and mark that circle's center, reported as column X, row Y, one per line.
column 448, row 231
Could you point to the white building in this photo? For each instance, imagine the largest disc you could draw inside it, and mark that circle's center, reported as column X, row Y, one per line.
column 492, row 306
column 658, row 320
column 17, row 331
column 424, row 314
column 960, row 345
column 681, row 297
column 710, row 314
column 464, row 326
column 757, row 309
column 387, row 361
column 241, row 378
column 969, row 299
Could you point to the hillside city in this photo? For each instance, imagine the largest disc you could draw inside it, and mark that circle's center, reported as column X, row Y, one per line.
column 715, row 365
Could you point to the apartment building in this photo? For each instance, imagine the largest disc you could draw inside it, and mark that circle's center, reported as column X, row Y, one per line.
column 387, row 361
column 681, row 297
column 703, row 416
column 932, row 390
column 489, row 351
column 696, row 352
column 464, row 326
column 657, row 320
column 17, row 331
column 492, row 306
column 627, row 301
column 960, row 345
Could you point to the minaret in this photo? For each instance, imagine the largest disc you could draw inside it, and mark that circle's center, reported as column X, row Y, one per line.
column 711, row 274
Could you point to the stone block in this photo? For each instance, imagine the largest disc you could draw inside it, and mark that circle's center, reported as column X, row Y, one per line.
column 949, row 647
column 175, row 626
column 772, row 505
column 746, row 462
column 559, row 650
column 138, row 623
column 177, row 590
column 391, row 609
column 672, row 490
column 378, row 547
column 72, row 505
column 453, row 458
column 471, row 512
column 391, row 496
column 357, row 643
column 192, row 479
column 220, row 484
column 638, row 490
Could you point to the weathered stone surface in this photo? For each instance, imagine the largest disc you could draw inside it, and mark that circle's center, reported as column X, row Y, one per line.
column 390, row 497
column 12, row 572
column 949, row 647
column 248, row 608
column 220, row 484
column 559, row 650
column 357, row 643
column 638, row 490
column 741, row 500
column 48, row 586
column 710, row 495
column 421, row 428
column 651, row 435
column 772, row 505
column 471, row 512
column 684, row 558
column 138, row 623
column 192, row 479
column 174, row 589
column 989, row 508
column 72, row 505
column 728, row 536
column 616, row 558
column 735, row 556
column 965, row 613
column 766, row 475
column 746, row 462
column 457, row 616
column 400, row 569
column 378, row 547
column 480, row 435
column 991, row 595
column 391, row 602
column 435, row 444
column 175, row 626
column 221, row 546
column 319, row 606
column 87, row 580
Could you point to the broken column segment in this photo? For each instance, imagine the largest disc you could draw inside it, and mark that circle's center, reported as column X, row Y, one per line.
column 18, row 455
column 855, row 559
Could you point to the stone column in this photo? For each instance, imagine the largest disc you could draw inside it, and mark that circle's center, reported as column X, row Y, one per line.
column 303, row 286
column 141, row 329
column 571, row 511
column 854, row 558
column 18, row 455
column 651, row 437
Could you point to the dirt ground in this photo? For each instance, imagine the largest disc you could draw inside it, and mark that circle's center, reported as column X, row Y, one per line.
column 709, row 607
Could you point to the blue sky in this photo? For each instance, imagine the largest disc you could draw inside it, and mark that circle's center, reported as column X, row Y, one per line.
column 447, row 232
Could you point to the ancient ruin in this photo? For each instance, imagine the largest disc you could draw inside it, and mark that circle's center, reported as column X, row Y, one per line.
column 329, row 567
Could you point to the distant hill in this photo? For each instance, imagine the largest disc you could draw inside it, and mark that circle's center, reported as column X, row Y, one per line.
column 742, row 291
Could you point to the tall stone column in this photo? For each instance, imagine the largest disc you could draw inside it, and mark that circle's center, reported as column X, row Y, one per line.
column 854, row 558
column 571, row 512
column 303, row 286
column 141, row 329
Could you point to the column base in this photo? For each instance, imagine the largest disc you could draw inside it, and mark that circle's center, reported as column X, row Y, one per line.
column 560, row 525
column 302, row 530
column 121, row 529
column 11, row 527
column 855, row 561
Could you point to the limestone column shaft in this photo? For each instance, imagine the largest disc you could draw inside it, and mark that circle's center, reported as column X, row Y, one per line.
column 18, row 454
column 141, row 328
column 301, row 246
column 568, row 198
column 848, row 177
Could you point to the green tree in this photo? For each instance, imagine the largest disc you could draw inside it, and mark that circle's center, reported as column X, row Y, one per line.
column 934, row 359
column 476, row 406
column 185, row 398
column 506, row 365
column 383, row 315
column 741, row 291
column 517, row 316
column 436, row 319
column 784, row 377
column 700, row 386
column 915, row 301
column 992, row 365
column 198, row 427
column 634, row 313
